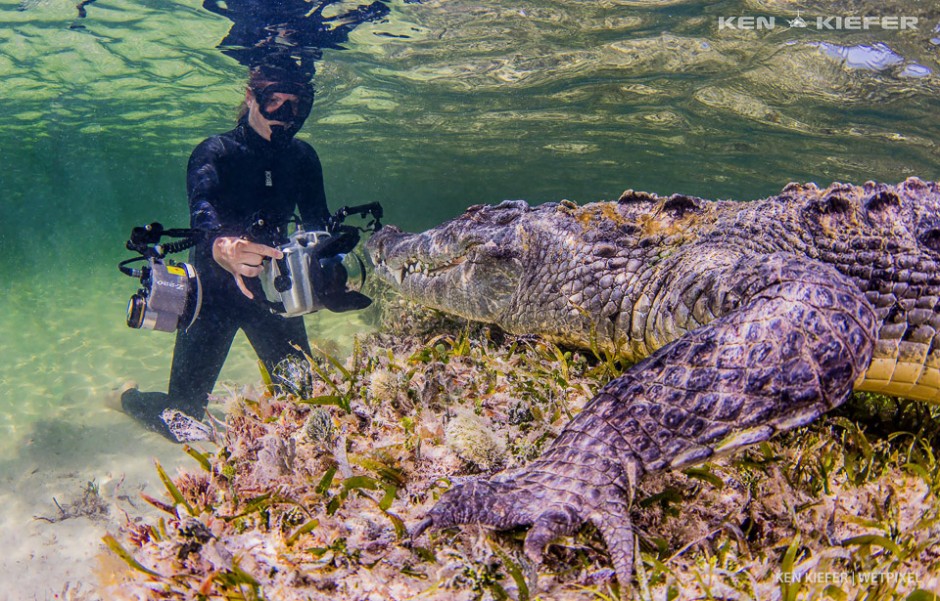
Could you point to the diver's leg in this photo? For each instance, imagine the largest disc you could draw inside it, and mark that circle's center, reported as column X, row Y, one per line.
column 198, row 357
column 146, row 408
column 275, row 338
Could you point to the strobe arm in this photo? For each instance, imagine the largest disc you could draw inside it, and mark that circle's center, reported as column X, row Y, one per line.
column 145, row 241
column 373, row 208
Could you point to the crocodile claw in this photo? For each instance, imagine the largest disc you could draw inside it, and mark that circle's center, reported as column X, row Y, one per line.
column 552, row 505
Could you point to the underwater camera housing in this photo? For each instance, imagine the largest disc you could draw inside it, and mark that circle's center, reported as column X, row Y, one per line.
column 315, row 269
column 170, row 295
column 311, row 276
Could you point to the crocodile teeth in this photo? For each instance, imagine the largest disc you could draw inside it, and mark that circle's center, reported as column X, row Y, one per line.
column 416, row 267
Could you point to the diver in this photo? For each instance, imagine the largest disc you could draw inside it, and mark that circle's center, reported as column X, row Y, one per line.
column 254, row 176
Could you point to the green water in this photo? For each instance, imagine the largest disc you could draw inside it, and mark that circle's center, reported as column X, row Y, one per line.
column 445, row 104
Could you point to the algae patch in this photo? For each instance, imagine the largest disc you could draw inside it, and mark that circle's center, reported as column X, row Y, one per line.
column 309, row 494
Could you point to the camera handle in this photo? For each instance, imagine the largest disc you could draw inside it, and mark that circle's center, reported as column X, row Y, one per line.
column 282, row 282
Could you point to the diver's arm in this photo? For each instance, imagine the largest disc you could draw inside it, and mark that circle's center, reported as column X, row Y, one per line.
column 203, row 186
column 314, row 212
column 234, row 254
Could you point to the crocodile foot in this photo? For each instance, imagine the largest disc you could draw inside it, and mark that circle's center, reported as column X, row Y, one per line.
column 554, row 499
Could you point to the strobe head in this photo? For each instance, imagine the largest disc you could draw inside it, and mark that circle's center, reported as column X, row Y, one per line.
column 169, row 298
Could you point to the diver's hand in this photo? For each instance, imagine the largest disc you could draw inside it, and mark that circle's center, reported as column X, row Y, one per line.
column 242, row 258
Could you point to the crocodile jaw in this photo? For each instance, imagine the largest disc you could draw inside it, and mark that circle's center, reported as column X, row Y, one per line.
column 468, row 276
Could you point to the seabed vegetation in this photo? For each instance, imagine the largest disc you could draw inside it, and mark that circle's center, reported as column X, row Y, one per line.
column 316, row 475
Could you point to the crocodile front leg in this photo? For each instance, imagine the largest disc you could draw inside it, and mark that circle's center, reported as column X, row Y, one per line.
column 787, row 350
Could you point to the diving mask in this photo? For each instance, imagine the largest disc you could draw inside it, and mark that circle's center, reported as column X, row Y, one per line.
column 285, row 102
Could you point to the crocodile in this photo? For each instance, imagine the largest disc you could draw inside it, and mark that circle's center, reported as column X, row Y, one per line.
column 741, row 320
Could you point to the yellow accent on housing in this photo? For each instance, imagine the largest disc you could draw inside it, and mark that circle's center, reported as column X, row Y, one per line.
column 178, row 271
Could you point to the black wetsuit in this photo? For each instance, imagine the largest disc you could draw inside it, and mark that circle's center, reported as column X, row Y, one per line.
column 232, row 180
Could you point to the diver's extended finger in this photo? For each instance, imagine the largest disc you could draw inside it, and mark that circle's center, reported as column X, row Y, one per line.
column 260, row 249
column 241, row 286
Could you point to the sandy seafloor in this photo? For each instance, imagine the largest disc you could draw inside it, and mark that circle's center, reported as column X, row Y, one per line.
column 63, row 355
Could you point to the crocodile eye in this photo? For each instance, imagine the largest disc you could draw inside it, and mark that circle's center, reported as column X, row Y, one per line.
column 505, row 218
column 835, row 203
column 931, row 239
column 631, row 196
column 680, row 204
column 882, row 201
